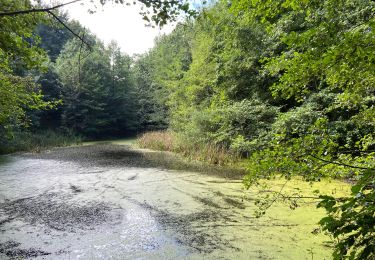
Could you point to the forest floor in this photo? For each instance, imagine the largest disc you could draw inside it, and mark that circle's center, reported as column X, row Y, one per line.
column 107, row 200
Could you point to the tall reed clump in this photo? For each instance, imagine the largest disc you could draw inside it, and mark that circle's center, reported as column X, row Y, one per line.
column 157, row 140
column 208, row 152
column 201, row 151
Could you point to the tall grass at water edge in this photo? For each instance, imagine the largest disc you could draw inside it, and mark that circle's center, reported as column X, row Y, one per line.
column 169, row 141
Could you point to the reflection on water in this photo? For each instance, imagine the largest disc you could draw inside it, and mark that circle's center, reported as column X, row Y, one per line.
column 104, row 201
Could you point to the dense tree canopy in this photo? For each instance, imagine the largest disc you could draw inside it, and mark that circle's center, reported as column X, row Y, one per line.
column 31, row 39
column 97, row 89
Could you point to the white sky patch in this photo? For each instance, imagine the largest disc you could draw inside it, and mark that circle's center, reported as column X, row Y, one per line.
column 117, row 22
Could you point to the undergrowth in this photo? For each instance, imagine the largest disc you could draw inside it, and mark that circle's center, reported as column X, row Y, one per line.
column 35, row 142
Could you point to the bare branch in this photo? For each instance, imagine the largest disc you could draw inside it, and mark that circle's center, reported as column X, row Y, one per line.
column 341, row 164
column 36, row 10
column 49, row 11
column 79, row 60
column 67, row 27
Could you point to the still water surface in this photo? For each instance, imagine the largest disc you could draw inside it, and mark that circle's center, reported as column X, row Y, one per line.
column 110, row 201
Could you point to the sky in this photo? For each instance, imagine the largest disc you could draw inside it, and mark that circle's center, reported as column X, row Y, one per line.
column 116, row 22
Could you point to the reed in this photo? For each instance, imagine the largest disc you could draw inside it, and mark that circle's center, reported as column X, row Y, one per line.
column 192, row 149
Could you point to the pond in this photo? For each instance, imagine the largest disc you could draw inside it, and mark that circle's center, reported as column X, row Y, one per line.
column 111, row 201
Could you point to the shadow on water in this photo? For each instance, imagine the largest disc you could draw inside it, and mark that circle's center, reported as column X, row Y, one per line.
column 112, row 155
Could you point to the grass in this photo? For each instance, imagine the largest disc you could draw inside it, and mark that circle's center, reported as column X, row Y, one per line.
column 158, row 140
column 36, row 142
column 169, row 141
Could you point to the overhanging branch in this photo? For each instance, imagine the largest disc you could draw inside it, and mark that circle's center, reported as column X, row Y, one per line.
column 341, row 164
column 67, row 27
column 49, row 11
column 36, row 10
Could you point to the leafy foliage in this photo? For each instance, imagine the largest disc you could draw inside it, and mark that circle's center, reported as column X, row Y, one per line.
column 19, row 53
column 351, row 221
column 157, row 12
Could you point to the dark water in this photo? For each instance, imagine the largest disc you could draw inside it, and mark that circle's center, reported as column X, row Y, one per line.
column 107, row 201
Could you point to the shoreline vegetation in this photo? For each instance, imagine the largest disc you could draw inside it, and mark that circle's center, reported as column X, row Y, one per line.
column 28, row 141
column 171, row 142
column 207, row 154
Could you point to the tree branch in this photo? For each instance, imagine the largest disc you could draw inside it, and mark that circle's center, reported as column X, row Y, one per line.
column 49, row 11
column 67, row 27
column 36, row 10
column 342, row 164
column 79, row 61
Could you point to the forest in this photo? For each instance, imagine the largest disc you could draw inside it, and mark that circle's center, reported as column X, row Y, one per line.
column 282, row 88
